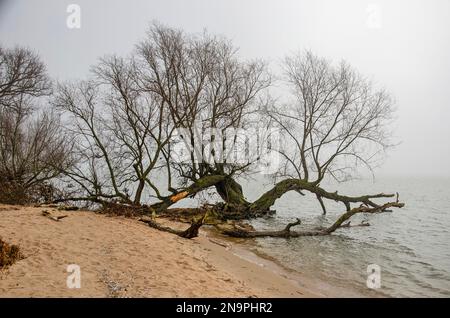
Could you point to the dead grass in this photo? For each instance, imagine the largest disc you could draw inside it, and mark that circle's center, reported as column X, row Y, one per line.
column 9, row 254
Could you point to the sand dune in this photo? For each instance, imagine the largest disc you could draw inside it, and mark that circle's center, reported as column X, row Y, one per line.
column 121, row 257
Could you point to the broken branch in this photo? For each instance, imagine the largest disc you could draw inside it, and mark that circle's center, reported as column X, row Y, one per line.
column 190, row 232
column 53, row 217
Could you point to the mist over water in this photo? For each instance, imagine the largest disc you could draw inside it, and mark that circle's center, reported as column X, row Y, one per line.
column 410, row 244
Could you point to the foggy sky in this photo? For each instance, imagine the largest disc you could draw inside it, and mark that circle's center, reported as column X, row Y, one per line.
column 402, row 45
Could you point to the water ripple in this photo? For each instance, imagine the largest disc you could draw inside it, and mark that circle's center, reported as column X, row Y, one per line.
column 410, row 245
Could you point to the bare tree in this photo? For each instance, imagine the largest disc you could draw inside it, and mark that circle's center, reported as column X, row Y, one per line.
column 337, row 123
column 207, row 88
column 32, row 149
column 119, row 134
column 125, row 117
column 21, row 73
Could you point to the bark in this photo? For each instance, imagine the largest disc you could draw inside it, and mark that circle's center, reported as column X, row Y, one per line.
column 241, row 232
column 324, row 209
column 286, row 232
column 199, row 185
column 190, row 232
column 231, row 192
column 165, row 202
column 268, row 199
column 236, row 207
column 139, row 190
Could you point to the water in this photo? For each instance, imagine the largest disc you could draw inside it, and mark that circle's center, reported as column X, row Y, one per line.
column 411, row 245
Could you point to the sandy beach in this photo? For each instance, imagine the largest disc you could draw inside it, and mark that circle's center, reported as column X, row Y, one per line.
column 122, row 257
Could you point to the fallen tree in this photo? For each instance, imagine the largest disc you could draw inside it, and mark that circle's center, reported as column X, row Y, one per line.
column 240, row 231
column 262, row 206
column 269, row 198
column 124, row 120
column 337, row 122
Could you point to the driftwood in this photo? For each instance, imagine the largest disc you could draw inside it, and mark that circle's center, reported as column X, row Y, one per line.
column 53, row 217
column 286, row 232
column 190, row 232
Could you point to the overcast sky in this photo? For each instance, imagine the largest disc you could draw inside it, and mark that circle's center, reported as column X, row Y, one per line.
column 403, row 45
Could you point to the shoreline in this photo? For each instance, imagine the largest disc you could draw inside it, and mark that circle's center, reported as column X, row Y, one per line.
column 122, row 257
column 317, row 287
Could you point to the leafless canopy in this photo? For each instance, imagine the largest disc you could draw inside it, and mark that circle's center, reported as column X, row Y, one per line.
column 206, row 86
column 21, row 73
column 118, row 144
column 32, row 149
column 124, row 116
column 337, row 121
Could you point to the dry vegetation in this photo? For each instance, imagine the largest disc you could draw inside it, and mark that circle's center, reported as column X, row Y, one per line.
column 9, row 254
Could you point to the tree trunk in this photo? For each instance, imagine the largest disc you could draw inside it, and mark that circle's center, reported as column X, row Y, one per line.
column 199, row 185
column 231, row 192
column 236, row 207
column 140, row 188
column 268, row 199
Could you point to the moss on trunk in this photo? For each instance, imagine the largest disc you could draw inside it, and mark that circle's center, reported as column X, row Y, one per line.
column 268, row 199
column 231, row 192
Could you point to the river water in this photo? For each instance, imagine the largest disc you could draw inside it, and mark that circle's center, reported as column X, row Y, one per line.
column 411, row 246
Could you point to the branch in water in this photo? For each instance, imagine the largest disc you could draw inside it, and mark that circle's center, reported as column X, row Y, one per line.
column 286, row 232
column 268, row 199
